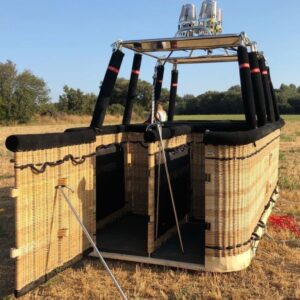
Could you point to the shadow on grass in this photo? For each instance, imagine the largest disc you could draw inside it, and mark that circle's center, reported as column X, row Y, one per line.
column 7, row 241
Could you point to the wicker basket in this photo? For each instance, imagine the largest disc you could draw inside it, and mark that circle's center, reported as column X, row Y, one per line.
column 231, row 187
column 47, row 235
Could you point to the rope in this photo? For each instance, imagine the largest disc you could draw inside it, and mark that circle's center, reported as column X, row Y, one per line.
column 41, row 168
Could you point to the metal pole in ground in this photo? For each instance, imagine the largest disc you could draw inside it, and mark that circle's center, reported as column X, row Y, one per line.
column 169, row 184
column 158, row 196
column 60, row 187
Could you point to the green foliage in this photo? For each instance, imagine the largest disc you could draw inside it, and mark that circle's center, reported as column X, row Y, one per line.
column 115, row 109
column 21, row 94
column 288, row 97
column 76, row 102
column 229, row 102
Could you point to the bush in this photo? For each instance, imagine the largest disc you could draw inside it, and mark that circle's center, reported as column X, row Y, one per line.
column 116, row 110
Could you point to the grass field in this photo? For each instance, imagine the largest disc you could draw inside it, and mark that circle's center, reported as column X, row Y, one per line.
column 228, row 117
column 274, row 273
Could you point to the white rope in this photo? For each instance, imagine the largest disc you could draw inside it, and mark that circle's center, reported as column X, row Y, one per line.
column 91, row 241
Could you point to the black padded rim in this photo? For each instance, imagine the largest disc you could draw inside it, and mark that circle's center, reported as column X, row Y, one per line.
column 215, row 133
column 167, row 133
column 105, row 130
column 30, row 142
column 237, row 138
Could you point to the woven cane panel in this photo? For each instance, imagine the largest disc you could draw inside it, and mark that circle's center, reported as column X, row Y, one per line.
column 47, row 235
column 198, row 177
column 109, row 139
column 242, row 180
column 136, row 173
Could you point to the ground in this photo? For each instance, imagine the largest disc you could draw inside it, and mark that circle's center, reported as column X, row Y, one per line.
column 273, row 274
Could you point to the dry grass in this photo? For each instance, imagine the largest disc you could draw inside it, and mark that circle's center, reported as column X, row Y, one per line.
column 274, row 273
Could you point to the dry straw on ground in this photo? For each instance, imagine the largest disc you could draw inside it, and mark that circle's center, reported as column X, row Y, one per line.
column 274, row 273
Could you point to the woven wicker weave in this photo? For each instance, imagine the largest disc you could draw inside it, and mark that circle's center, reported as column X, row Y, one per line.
column 198, row 177
column 231, row 185
column 241, row 182
column 153, row 149
column 47, row 235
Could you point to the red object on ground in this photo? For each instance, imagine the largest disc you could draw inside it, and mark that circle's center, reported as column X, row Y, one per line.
column 285, row 223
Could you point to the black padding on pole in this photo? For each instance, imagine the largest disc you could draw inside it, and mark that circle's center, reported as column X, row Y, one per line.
column 259, row 96
column 131, row 94
column 267, row 90
column 246, row 86
column 274, row 98
column 173, row 94
column 107, row 88
column 159, row 81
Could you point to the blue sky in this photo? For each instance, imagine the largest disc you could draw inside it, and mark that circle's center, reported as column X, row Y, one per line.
column 68, row 42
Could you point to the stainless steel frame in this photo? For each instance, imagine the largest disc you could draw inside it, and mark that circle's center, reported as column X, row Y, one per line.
column 214, row 48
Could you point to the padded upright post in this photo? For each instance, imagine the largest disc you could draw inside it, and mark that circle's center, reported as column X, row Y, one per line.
column 136, row 66
column 108, row 84
column 267, row 90
column 173, row 94
column 258, row 90
column 274, row 98
column 158, row 83
column 246, row 86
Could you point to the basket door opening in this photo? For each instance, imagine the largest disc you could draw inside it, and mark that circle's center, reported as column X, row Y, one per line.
column 119, row 229
column 192, row 231
column 109, row 181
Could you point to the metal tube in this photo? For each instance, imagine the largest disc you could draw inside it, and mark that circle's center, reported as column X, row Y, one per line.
column 258, row 90
column 173, row 94
column 107, row 88
column 159, row 81
column 274, row 98
column 267, row 90
column 136, row 66
column 158, row 196
column 153, row 96
column 92, row 243
column 169, row 184
column 246, row 86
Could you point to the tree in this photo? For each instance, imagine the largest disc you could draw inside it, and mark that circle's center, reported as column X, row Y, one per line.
column 20, row 94
column 76, row 102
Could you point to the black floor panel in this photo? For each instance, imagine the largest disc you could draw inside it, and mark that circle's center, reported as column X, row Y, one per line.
column 127, row 235
column 193, row 242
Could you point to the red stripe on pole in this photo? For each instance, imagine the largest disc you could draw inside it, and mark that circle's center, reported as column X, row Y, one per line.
column 136, row 72
column 113, row 69
column 256, row 70
column 243, row 66
column 174, row 84
column 264, row 72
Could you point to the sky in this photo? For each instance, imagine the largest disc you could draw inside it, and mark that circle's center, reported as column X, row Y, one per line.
column 68, row 42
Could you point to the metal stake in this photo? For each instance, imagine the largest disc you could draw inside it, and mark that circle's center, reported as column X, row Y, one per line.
column 169, row 184
column 60, row 187
column 158, row 196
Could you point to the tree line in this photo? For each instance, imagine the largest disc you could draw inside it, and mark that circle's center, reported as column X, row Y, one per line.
column 23, row 94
